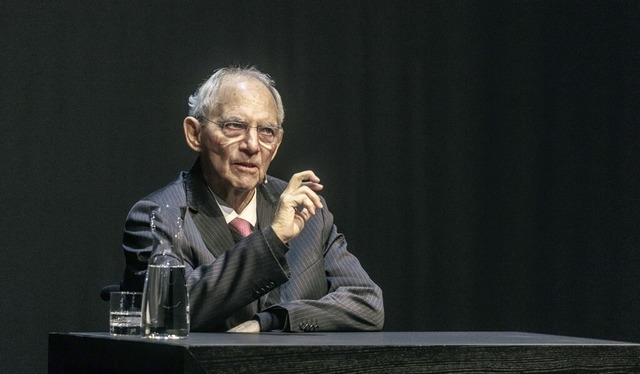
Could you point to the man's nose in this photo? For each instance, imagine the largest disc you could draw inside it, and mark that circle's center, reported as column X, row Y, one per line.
column 251, row 139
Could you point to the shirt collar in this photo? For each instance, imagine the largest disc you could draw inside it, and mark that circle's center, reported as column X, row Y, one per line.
column 249, row 213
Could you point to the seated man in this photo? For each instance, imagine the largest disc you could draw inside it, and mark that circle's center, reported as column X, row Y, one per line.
column 288, row 268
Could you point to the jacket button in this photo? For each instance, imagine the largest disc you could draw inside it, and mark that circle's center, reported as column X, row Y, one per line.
column 256, row 294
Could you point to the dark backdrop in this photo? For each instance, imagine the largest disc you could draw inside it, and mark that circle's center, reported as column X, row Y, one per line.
column 481, row 156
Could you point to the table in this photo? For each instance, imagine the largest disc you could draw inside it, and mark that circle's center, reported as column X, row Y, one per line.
column 353, row 352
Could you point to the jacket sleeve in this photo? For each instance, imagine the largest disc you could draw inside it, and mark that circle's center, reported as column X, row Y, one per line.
column 218, row 287
column 351, row 300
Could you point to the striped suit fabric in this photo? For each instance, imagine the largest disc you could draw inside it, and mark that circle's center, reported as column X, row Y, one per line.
column 313, row 282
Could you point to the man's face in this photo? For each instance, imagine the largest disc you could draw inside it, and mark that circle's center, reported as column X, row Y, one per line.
column 237, row 165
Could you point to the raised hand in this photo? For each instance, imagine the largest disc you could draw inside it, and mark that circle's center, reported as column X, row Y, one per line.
column 297, row 204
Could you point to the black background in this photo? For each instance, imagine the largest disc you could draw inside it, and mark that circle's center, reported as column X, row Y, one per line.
column 481, row 156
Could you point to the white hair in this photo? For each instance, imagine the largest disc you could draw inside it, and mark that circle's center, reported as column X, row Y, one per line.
column 203, row 100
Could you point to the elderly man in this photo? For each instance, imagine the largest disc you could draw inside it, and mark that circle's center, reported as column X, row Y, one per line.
column 261, row 254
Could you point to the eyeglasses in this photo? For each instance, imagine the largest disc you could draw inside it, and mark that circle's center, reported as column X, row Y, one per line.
column 267, row 134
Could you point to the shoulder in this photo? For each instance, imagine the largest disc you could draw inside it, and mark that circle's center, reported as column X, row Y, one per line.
column 275, row 184
column 173, row 193
column 273, row 188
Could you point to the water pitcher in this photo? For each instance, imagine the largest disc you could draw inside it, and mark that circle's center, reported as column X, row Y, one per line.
column 165, row 302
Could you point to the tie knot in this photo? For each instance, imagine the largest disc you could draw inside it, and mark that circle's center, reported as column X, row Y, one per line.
column 242, row 226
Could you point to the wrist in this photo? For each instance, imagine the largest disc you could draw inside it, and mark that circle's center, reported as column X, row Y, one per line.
column 278, row 234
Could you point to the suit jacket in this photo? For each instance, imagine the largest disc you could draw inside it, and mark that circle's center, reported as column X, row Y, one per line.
column 313, row 282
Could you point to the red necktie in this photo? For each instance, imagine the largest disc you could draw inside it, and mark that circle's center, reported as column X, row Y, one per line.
column 242, row 226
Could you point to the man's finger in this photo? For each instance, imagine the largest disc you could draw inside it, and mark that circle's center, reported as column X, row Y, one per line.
column 299, row 178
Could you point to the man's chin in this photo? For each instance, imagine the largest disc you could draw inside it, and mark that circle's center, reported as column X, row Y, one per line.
column 246, row 184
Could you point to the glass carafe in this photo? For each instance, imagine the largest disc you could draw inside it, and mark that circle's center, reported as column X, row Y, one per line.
column 165, row 302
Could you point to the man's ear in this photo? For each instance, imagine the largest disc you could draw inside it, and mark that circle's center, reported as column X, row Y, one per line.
column 192, row 130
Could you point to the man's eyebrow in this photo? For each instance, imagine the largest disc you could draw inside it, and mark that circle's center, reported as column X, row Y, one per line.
column 232, row 119
column 238, row 119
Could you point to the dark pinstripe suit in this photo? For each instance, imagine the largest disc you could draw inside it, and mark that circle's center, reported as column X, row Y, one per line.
column 315, row 279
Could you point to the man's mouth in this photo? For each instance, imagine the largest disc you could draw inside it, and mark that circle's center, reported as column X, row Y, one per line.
column 246, row 165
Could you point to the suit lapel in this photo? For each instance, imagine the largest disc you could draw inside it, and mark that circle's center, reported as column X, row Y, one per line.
column 266, row 207
column 267, row 200
column 206, row 214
